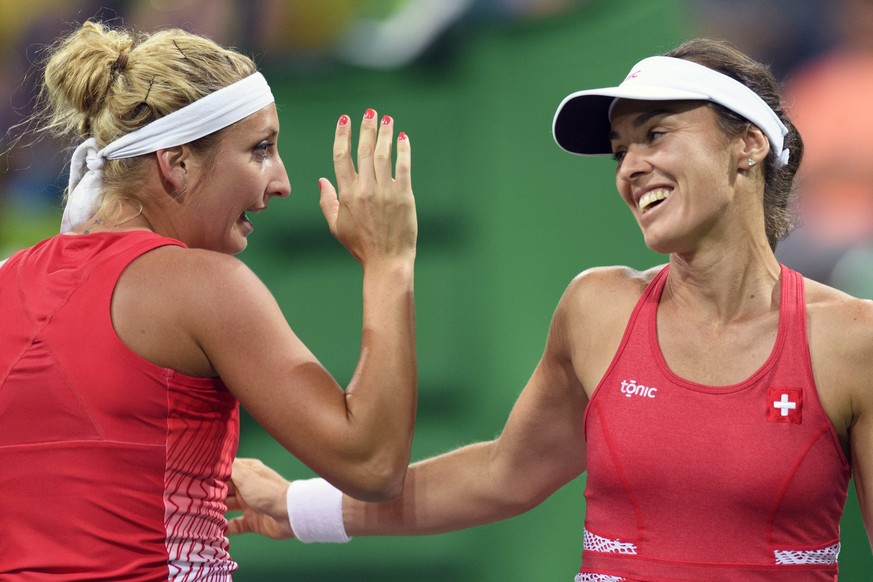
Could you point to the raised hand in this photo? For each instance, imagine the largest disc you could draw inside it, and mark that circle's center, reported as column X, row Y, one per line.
column 371, row 212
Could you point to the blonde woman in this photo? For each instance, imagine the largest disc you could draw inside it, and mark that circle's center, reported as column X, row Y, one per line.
column 129, row 340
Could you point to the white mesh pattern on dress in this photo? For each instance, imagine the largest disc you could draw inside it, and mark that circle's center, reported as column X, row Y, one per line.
column 826, row 555
column 595, row 543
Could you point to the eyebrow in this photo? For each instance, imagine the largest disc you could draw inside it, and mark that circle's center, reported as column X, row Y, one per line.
column 642, row 119
column 273, row 133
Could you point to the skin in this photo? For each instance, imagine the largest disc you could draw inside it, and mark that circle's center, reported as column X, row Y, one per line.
column 220, row 320
column 721, row 299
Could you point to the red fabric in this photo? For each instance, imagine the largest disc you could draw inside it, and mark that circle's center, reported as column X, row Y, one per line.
column 709, row 483
column 112, row 468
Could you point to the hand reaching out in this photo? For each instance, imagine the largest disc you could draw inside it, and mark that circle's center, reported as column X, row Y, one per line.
column 371, row 212
column 259, row 492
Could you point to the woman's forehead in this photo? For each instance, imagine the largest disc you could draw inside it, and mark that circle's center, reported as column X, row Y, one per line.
column 651, row 108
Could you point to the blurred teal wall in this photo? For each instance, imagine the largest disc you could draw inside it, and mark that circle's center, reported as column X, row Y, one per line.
column 506, row 220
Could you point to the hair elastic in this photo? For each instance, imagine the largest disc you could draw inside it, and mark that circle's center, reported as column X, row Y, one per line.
column 120, row 62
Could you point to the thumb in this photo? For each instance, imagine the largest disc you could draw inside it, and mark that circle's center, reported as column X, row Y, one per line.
column 329, row 203
column 238, row 525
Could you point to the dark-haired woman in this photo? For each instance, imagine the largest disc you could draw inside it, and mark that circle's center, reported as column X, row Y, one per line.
column 719, row 403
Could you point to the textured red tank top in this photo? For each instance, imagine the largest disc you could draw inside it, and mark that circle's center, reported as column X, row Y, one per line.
column 730, row 483
column 111, row 468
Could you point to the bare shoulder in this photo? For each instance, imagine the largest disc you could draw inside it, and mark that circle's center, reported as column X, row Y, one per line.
column 199, row 286
column 198, row 261
column 838, row 318
column 182, row 271
column 171, row 298
column 592, row 316
column 840, row 330
column 600, row 288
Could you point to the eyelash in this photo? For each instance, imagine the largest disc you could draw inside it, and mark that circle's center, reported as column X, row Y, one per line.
column 651, row 136
column 263, row 148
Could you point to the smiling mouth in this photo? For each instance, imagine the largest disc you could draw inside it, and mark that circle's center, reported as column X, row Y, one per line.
column 652, row 198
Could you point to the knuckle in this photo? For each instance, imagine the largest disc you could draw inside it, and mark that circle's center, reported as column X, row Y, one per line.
column 340, row 155
column 365, row 150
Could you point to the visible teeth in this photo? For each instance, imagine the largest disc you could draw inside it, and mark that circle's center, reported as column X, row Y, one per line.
column 650, row 198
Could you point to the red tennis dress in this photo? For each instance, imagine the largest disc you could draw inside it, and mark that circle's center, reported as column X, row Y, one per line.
column 111, row 468
column 719, row 484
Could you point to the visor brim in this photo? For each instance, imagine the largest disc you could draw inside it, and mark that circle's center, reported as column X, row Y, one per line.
column 582, row 125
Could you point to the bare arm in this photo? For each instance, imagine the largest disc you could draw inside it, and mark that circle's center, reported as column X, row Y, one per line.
column 841, row 340
column 861, row 427
column 359, row 438
column 540, row 449
column 862, row 463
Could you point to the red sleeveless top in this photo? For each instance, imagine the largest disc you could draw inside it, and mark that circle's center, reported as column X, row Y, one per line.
column 729, row 483
column 111, row 468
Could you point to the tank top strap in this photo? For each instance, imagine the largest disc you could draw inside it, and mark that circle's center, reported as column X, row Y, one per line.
column 792, row 315
column 647, row 307
column 791, row 343
column 116, row 252
column 131, row 245
column 636, row 343
column 792, row 307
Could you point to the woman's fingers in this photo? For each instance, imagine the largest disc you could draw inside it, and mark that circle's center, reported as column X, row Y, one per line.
column 329, row 203
column 366, row 147
column 371, row 212
column 403, row 166
column 382, row 157
column 343, row 165
column 374, row 152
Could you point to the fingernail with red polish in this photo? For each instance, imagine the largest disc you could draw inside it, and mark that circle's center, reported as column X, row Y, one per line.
column 344, row 119
column 401, row 136
column 386, row 120
column 369, row 114
column 319, row 185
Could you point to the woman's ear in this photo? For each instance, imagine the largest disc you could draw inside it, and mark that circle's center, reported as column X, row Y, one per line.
column 173, row 165
column 753, row 148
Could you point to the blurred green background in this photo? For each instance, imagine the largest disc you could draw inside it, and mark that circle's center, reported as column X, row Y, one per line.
column 506, row 220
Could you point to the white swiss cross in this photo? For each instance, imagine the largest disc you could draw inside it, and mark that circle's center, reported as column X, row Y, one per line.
column 784, row 405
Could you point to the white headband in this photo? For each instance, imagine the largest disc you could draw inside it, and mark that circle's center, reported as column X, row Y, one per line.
column 198, row 119
column 582, row 121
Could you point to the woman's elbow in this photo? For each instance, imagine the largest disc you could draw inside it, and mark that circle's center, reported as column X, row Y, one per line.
column 378, row 481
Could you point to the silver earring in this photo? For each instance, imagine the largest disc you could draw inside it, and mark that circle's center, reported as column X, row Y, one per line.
column 751, row 162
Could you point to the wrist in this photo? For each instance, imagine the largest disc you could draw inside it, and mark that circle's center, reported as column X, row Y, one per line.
column 315, row 511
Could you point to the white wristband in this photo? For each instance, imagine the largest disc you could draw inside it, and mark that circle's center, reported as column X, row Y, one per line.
column 315, row 510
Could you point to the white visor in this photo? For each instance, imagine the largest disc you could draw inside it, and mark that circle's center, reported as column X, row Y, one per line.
column 582, row 122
